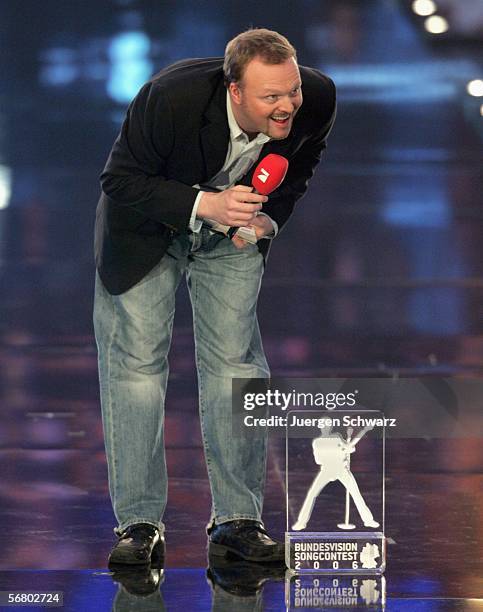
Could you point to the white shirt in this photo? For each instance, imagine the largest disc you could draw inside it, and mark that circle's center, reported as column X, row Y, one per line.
column 241, row 154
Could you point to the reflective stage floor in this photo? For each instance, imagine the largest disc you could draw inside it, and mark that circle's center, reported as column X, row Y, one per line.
column 55, row 514
column 195, row 589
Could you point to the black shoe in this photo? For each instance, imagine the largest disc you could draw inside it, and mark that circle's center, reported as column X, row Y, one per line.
column 246, row 539
column 141, row 580
column 242, row 578
column 139, row 544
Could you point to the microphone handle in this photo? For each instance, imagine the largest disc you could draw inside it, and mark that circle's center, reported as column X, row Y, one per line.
column 233, row 230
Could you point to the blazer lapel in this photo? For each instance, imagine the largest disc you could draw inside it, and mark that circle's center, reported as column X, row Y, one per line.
column 215, row 134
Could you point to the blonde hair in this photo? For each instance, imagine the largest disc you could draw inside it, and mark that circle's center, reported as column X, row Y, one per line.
column 271, row 46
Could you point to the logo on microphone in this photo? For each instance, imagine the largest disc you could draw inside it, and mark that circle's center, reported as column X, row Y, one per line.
column 263, row 176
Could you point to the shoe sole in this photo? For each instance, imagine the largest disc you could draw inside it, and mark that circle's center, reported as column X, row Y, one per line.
column 220, row 550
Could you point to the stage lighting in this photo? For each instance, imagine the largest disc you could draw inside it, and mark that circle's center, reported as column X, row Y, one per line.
column 5, row 186
column 475, row 88
column 436, row 24
column 424, row 7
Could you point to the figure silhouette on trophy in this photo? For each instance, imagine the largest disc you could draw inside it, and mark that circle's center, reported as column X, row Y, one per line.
column 332, row 454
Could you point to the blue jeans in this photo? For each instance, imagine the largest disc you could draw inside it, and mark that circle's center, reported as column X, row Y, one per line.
column 133, row 334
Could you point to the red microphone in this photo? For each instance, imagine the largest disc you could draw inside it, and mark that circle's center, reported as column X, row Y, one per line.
column 268, row 175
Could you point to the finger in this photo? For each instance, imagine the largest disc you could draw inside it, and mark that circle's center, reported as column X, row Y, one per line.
column 240, row 222
column 250, row 216
column 259, row 231
column 250, row 197
column 246, row 206
column 242, row 188
column 237, row 218
column 239, row 242
column 245, row 218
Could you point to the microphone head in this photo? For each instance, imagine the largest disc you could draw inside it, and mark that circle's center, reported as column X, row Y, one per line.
column 269, row 173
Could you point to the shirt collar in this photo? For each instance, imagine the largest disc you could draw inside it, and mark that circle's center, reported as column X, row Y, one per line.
column 236, row 133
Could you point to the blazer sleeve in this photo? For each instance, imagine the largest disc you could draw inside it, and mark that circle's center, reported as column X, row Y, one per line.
column 134, row 175
column 301, row 168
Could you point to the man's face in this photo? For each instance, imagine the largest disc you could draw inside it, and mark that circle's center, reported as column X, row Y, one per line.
column 267, row 98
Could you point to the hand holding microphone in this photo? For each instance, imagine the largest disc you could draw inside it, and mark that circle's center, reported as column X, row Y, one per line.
column 235, row 208
column 268, row 175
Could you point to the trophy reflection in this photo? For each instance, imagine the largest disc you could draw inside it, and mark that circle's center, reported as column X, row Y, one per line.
column 326, row 592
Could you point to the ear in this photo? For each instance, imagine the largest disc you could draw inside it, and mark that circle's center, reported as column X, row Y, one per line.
column 235, row 92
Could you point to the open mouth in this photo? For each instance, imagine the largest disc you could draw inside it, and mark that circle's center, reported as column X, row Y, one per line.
column 280, row 120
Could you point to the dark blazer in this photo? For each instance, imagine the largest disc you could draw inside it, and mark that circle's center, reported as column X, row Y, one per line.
column 175, row 135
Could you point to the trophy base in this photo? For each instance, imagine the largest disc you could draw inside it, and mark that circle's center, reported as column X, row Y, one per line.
column 358, row 552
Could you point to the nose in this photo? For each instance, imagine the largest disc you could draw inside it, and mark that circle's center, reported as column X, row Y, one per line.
column 287, row 105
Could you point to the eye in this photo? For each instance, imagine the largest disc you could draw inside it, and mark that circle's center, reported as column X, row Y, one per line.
column 295, row 91
column 271, row 98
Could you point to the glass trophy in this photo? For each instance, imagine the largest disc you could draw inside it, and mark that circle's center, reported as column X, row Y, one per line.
column 335, row 491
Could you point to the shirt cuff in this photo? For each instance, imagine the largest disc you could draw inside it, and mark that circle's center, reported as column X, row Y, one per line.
column 275, row 226
column 195, row 224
